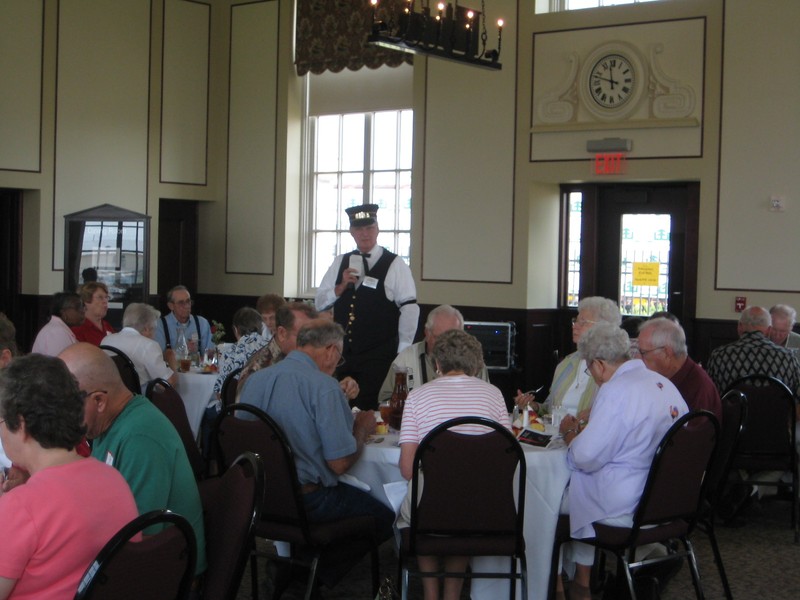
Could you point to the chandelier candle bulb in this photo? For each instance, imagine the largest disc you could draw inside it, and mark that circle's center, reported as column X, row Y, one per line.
column 499, row 35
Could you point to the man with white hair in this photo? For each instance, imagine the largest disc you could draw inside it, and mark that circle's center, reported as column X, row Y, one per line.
column 662, row 346
column 417, row 357
column 783, row 319
column 137, row 341
column 753, row 353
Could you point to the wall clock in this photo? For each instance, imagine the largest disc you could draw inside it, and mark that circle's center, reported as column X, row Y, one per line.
column 611, row 81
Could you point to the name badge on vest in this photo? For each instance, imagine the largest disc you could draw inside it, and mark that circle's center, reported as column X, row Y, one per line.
column 370, row 282
column 109, row 459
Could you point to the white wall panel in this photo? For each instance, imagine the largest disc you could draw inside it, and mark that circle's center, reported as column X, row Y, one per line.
column 101, row 108
column 468, row 203
column 252, row 139
column 21, row 73
column 760, row 148
column 184, row 101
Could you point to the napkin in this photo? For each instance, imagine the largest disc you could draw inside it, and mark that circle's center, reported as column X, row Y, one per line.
column 354, row 481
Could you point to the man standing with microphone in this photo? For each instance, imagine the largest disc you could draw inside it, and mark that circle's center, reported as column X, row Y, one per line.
column 374, row 298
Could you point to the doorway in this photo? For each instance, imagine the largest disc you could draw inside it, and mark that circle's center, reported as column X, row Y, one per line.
column 637, row 244
column 10, row 252
column 177, row 247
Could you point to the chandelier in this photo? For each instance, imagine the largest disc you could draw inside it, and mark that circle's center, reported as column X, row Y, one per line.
column 450, row 31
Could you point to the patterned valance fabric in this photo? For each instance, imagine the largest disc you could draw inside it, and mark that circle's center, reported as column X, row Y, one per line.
column 332, row 35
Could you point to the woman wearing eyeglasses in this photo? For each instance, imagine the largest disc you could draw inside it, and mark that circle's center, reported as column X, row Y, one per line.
column 573, row 388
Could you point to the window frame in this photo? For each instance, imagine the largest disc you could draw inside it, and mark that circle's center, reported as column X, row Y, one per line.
column 309, row 231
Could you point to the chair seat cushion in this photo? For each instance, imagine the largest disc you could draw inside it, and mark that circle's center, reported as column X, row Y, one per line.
column 479, row 545
column 608, row 536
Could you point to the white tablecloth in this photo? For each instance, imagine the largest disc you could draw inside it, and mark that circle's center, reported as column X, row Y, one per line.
column 195, row 390
column 547, row 476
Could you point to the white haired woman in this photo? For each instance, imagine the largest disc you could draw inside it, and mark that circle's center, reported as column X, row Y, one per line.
column 610, row 458
column 572, row 388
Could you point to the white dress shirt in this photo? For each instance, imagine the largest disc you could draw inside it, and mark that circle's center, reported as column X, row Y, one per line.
column 399, row 286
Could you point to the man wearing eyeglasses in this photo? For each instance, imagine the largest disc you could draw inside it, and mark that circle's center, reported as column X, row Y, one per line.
column 196, row 328
column 662, row 347
column 305, row 400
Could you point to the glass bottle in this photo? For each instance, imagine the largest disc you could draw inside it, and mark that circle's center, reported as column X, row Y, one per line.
column 399, row 395
column 181, row 348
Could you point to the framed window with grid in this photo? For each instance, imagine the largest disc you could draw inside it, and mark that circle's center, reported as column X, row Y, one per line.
column 358, row 158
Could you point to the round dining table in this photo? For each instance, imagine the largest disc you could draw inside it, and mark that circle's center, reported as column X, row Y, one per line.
column 547, row 475
column 195, row 388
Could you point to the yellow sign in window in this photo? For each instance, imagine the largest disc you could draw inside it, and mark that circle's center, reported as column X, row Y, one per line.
column 645, row 273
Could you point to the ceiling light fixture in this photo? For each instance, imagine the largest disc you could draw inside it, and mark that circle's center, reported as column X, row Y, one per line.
column 452, row 32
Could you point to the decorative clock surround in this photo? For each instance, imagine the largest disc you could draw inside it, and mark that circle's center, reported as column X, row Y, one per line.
column 608, row 85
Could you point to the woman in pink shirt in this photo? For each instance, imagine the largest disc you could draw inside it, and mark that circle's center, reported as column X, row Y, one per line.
column 71, row 506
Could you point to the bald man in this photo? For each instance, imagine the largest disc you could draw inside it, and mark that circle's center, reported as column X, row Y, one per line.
column 753, row 353
column 130, row 434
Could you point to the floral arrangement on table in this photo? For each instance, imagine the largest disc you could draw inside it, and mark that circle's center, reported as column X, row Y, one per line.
column 217, row 332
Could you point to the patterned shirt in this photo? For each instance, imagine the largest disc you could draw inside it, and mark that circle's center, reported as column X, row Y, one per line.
column 265, row 357
column 237, row 355
column 753, row 353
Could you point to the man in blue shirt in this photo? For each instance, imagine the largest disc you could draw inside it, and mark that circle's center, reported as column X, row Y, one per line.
column 196, row 329
column 308, row 404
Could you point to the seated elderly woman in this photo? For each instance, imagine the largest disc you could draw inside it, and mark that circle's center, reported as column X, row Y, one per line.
column 71, row 506
column 247, row 328
column 572, row 388
column 610, row 459
column 457, row 392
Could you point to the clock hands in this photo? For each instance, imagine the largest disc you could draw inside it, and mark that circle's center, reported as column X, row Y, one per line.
column 612, row 81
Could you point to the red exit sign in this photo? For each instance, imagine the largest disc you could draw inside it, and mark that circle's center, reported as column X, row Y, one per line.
column 610, row 163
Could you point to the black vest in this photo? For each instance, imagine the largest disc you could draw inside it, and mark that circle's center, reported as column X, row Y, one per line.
column 370, row 320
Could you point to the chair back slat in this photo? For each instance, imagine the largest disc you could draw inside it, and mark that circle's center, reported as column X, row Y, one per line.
column 232, row 507
column 259, row 433
column 734, row 412
column 474, row 484
column 675, row 485
column 158, row 566
column 126, row 368
column 769, row 428
column 229, row 386
column 167, row 399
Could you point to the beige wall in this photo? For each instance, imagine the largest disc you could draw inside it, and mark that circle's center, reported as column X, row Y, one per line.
column 485, row 216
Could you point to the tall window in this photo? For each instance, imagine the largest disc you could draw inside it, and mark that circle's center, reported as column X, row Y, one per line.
column 359, row 158
column 545, row 6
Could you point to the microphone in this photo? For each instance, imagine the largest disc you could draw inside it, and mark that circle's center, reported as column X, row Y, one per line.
column 355, row 264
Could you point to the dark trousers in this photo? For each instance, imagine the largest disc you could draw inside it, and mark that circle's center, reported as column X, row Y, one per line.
column 339, row 502
column 369, row 370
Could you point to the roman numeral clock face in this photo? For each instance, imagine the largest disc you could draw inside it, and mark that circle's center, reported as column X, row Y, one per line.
column 612, row 81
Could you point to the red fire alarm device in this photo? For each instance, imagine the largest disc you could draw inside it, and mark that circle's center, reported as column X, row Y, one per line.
column 740, row 304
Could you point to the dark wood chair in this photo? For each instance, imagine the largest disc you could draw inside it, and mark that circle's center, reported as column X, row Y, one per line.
column 232, row 509
column 229, row 386
column 125, row 367
column 671, row 502
column 472, row 502
column 158, row 566
column 768, row 441
column 283, row 514
column 167, row 399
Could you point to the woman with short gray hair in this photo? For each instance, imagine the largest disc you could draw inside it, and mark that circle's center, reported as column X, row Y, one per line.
column 458, row 357
column 610, row 458
column 572, row 388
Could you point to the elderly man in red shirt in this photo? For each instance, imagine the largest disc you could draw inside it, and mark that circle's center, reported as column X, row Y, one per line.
column 662, row 346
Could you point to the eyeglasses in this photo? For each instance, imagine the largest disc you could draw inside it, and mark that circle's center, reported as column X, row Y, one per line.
column 79, row 308
column 85, row 394
column 341, row 358
column 645, row 352
column 187, row 302
column 588, row 369
column 582, row 322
